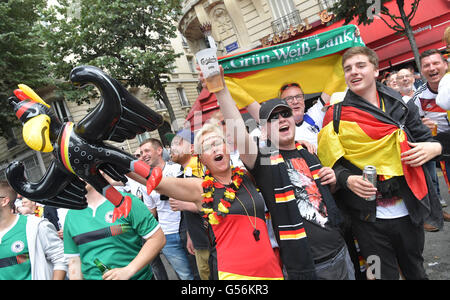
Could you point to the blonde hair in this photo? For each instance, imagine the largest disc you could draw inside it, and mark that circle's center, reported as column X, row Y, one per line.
column 209, row 127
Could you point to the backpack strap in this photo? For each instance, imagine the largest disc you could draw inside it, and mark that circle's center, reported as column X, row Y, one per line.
column 337, row 116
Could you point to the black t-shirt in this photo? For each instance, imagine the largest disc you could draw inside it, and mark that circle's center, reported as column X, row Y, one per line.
column 324, row 240
column 197, row 227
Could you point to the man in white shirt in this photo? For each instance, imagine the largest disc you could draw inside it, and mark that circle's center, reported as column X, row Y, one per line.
column 307, row 124
column 151, row 153
column 433, row 68
column 405, row 82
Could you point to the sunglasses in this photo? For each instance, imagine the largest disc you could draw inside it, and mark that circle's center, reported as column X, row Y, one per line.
column 275, row 116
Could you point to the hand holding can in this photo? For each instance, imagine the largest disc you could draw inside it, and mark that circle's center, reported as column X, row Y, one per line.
column 370, row 174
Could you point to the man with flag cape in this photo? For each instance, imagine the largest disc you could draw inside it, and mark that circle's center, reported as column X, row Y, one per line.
column 373, row 126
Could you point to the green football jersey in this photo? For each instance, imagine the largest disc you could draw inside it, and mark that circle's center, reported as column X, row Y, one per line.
column 92, row 235
column 14, row 257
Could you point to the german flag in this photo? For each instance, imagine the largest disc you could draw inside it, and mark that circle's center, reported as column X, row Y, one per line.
column 365, row 140
column 295, row 232
column 315, row 174
column 65, row 141
column 282, row 197
column 276, row 159
column 314, row 62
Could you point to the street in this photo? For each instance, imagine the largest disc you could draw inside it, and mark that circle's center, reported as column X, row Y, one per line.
column 437, row 244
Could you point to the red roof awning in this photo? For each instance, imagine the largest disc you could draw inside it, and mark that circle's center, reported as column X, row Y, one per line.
column 394, row 50
column 204, row 106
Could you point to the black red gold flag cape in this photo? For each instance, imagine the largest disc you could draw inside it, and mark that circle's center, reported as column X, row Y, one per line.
column 369, row 138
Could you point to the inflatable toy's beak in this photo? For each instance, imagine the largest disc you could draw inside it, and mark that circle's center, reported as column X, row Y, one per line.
column 36, row 133
column 32, row 94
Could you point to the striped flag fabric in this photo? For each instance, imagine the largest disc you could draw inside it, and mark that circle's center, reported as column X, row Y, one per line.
column 314, row 62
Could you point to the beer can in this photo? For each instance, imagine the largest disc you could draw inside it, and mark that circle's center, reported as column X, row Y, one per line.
column 370, row 174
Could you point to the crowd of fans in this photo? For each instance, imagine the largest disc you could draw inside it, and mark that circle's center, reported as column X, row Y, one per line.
column 287, row 202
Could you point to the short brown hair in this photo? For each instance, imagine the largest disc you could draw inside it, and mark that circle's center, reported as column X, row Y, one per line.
column 7, row 191
column 431, row 52
column 371, row 55
column 155, row 143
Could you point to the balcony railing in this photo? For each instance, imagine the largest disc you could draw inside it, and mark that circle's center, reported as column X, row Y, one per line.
column 327, row 4
column 286, row 21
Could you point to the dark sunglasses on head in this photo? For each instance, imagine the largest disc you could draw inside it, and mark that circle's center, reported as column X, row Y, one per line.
column 276, row 115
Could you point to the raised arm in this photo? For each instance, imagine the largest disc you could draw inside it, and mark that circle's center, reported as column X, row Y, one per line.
column 184, row 189
column 247, row 147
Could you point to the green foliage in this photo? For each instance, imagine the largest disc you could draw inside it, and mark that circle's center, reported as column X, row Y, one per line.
column 129, row 39
column 349, row 9
column 364, row 12
column 23, row 57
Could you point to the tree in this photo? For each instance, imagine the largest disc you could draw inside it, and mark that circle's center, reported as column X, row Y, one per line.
column 365, row 11
column 128, row 39
column 23, row 58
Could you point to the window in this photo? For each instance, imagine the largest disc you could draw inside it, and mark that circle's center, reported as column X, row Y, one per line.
column 12, row 139
column 184, row 41
column 33, row 170
column 285, row 14
column 160, row 105
column 281, row 8
column 61, row 111
column 142, row 137
column 191, row 63
column 327, row 4
column 182, row 96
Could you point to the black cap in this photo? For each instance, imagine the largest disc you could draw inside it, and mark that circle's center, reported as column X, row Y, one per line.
column 268, row 106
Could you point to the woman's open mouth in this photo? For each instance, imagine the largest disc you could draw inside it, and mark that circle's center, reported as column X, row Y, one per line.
column 218, row 157
column 284, row 128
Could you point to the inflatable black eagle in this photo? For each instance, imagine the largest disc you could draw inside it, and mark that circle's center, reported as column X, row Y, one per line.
column 79, row 149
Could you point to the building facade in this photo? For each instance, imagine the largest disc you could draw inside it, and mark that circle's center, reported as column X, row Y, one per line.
column 239, row 25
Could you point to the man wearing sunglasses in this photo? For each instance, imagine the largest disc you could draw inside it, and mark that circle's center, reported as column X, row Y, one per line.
column 296, row 189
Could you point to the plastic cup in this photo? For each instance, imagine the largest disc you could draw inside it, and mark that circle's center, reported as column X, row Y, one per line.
column 209, row 65
column 434, row 130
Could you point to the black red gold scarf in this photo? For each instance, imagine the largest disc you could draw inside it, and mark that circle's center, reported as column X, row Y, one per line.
column 288, row 223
